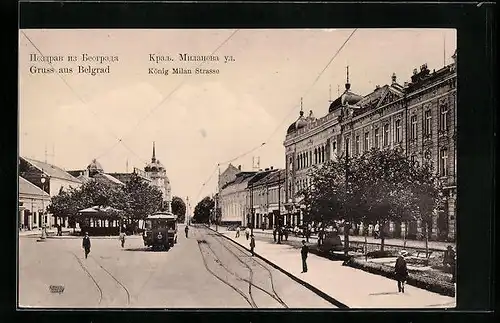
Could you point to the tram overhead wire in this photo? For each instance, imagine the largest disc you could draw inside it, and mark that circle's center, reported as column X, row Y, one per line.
column 288, row 114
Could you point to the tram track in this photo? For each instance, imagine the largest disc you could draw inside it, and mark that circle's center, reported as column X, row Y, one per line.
column 90, row 275
column 115, row 279
column 274, row 294
column 250, row 281
column 234, row 288
column 99, row 285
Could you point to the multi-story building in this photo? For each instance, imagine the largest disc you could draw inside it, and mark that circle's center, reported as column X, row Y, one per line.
column 418, row 117
column 268, row 197
column 233, row 199
column 158, row 175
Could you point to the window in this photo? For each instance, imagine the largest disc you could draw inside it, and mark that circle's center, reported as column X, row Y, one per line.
column 377, row 138
column 443, row 159
column 428, row 123
column 413, row 127
column 315, row 155
column 443, row 119
column 412, row 159
column 347, row 146
column 386, row 135
column 323, row 154
column 357, row 145
column 366, row 144
column 298, row 161
column 398, row 131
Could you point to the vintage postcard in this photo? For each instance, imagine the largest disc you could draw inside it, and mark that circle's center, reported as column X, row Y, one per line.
column 237, row 168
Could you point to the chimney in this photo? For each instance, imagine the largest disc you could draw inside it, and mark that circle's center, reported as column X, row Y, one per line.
column 267, row 169
column 239, row 167
column 272, row 167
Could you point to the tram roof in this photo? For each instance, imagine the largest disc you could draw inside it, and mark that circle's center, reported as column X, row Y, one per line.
column 163, row 215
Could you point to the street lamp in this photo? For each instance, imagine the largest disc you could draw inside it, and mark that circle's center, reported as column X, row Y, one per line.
column 44, row 232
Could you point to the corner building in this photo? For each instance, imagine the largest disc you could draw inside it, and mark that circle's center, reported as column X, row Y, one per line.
column 418, row 117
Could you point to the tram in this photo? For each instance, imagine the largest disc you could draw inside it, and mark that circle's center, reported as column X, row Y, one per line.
column 160, row 230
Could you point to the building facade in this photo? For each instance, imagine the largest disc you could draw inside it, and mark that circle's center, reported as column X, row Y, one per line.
column 158, row 175
column 49, row 179
column 233, row 199
column 268, row 198
column 418, row 117
column 33, row 202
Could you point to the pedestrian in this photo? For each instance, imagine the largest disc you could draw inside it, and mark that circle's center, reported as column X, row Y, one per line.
column 122, row 238
column 247, row 232
column 401, row 271
column 304, row 251
column 376, row 232
column 274, row 234
column 237, row 231
column 86, row 244
column 449, row 262
column 286, row 234
column 186, row 229
column 252, row 244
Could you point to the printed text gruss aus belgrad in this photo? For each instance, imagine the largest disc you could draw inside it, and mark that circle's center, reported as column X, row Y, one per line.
column 81, row 69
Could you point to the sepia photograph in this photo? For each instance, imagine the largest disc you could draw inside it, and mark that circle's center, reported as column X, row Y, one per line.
column 237, row 169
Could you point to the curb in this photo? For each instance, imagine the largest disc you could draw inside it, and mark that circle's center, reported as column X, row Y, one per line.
column 318, row 292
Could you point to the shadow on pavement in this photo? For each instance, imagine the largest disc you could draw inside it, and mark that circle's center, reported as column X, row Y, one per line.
column 145, row 249
column 384, row 293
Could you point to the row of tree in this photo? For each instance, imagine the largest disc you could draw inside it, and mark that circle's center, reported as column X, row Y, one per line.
column 377, row 186
column 137, row 199
column 203, row 211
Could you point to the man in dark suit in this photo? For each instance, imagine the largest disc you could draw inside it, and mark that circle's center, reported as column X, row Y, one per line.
column 86, row 244
column 304, row 251
column 401, row 271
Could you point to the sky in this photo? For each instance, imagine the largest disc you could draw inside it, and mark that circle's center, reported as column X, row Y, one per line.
column 199, row 121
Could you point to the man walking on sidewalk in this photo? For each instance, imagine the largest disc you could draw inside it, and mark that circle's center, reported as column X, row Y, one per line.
column 401, row 271
column 304, row 251
column 122, row 238
column 252, row 244
column 186, row 229
column 247, row 232
column 86, row 244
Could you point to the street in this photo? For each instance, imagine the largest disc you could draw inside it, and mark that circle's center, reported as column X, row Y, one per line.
column 203, row 271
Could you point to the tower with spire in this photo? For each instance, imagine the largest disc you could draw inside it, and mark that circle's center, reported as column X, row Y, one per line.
column 158, row 174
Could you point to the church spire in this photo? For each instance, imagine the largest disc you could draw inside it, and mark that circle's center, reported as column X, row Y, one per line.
column 347, row 84
column 154, row 155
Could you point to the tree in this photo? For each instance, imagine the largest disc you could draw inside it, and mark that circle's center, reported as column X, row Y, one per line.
column 142, row 199
column 203, row 210
column 396, row 189
column 179, row 208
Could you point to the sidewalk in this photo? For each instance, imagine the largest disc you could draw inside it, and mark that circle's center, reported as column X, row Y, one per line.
column 353, row 287
column 52, row 234
column 395, row 242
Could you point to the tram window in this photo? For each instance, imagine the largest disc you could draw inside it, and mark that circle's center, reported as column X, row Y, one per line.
column 171, row 225
column 148, row 225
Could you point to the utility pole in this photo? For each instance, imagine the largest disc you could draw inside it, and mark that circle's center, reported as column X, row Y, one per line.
column 216, row 199
column 346, row 226
column 279, row 207
column 252, row 220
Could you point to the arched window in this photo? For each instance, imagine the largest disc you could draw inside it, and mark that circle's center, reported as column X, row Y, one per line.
column 323, row 154
column 315, row 155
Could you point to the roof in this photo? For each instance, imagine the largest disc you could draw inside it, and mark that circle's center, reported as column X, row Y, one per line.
column 26, row 187
column 51, row 170
column 163, row 215
column 241, row 177
column 267, row 178
column 109, row 178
